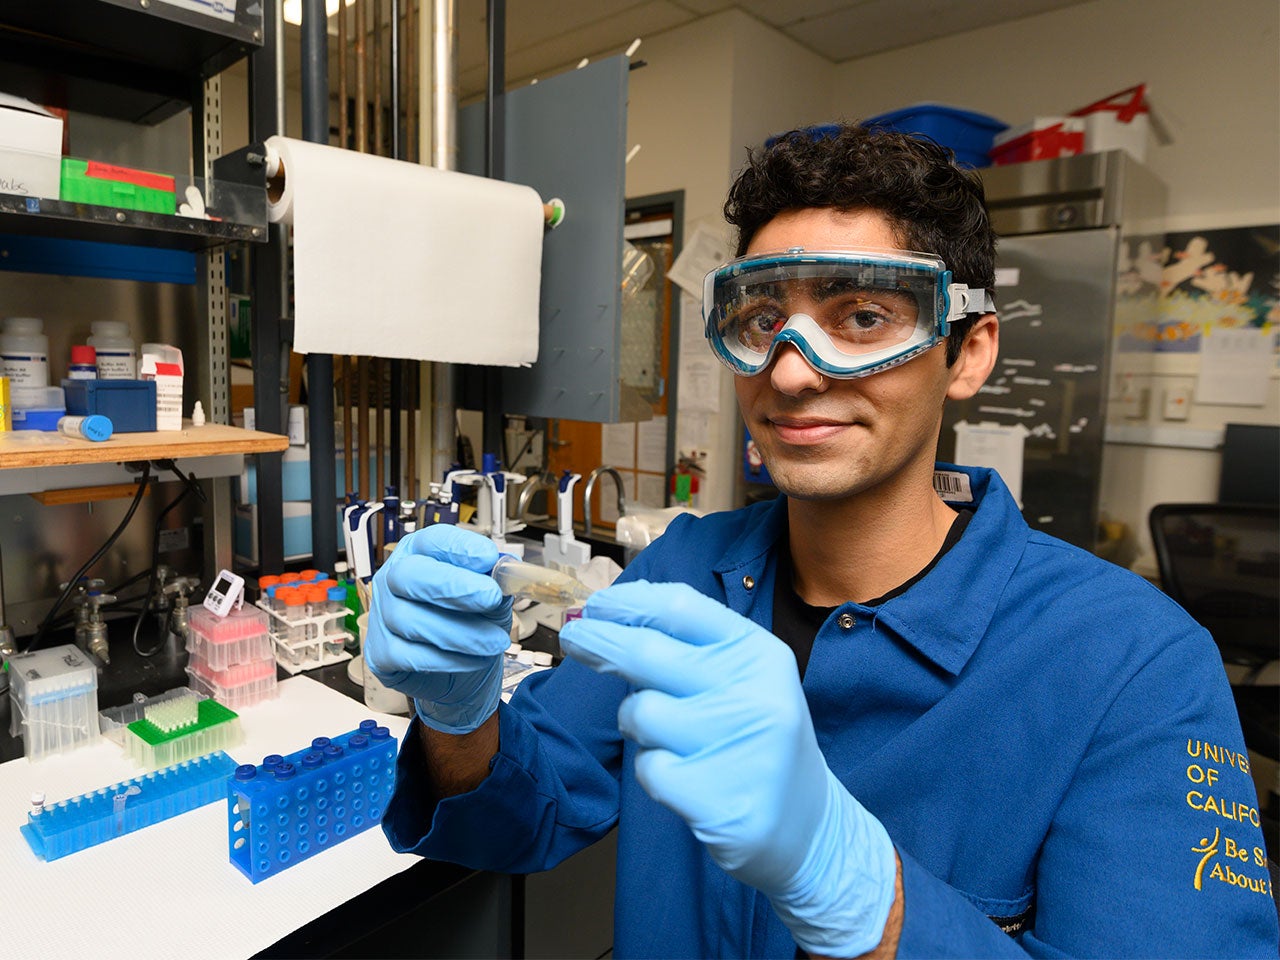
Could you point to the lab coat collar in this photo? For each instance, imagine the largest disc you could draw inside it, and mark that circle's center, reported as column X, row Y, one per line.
column 946, row 613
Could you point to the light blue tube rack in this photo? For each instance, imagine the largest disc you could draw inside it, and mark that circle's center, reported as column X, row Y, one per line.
column 287, row 809
column 109, row 812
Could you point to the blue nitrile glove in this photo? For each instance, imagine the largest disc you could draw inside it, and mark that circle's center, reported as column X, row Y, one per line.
column 438, row 626
column 727, row 743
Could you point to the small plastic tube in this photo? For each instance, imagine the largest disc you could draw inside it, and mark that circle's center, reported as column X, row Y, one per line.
column 336, row 603
column 516, row 578
column 93, row 427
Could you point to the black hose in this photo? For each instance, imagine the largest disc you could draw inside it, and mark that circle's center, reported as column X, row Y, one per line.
column 88, row 564
column 155, row 564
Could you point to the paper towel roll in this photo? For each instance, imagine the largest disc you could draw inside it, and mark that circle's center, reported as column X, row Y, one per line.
column 394, row 259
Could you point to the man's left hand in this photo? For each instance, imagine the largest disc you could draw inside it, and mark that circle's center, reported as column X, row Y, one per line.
column 725, row 740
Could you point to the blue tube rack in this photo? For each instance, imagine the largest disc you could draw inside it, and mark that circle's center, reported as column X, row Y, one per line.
column 287, row 809
column 69, row 826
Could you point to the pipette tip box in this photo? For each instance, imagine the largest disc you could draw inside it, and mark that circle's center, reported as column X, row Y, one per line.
column 287, row 809
column 56, row 830
column 239, row 637
column 176, row 725
column 240, row 685
column 53, row 700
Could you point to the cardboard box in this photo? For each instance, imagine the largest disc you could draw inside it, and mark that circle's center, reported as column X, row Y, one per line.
column 163, row 364
column 1118, row 122
column 295, row 476
column 30, row 148
column 1043, row 138
column 297, row 532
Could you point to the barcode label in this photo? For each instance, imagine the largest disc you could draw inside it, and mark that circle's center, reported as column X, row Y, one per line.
column 952, row 486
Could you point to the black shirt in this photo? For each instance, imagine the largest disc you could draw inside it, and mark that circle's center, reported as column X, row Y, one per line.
column 797, row 623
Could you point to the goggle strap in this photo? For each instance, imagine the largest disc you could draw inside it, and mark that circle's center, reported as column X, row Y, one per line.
column 966, row 301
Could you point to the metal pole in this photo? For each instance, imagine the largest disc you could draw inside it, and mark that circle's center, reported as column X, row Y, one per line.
column 362, row 411
column 444, row 156
column 270, row 272
column 495, row 167
column 378, row 148
column 342, row 82
column 396, row 141
column 348, row 441
column 361, row 108
column 315, row 129
column 397, row 151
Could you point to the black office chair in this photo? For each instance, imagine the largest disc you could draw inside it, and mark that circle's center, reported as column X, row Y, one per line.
column 1221, row 562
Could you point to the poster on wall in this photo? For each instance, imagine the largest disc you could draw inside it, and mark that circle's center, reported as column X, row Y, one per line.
column 1226, row 279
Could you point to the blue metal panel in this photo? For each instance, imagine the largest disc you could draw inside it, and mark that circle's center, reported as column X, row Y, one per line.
column 566, row 138
column 89, row 258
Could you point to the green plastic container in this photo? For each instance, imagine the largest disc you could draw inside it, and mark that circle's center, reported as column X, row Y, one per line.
column 107, row 191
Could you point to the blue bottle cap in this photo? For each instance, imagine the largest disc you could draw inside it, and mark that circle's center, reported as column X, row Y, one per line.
column 96, row 427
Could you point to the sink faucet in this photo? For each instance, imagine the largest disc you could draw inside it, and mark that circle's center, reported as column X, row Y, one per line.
column 540, row 481
column 586, row 496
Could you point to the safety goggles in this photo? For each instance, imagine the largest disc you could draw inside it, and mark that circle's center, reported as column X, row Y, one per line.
column 850, row 313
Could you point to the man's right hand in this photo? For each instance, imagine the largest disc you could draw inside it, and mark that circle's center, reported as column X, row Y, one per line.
column 438, row 626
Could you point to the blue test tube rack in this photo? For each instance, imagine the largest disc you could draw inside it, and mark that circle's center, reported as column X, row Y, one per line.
column 68, row 826
column 289, row 808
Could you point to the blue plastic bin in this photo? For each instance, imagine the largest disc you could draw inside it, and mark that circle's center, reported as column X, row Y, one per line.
column 130, row 405
column 968, row 133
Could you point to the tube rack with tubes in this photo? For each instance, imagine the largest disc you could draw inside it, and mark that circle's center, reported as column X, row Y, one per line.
column 65, row 827
column 287, row 809
column 307, row 625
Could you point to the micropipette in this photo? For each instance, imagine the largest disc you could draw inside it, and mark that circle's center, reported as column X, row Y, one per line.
column 516, row 578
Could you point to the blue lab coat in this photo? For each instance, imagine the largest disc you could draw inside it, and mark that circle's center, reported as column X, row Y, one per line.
column 1048, row 739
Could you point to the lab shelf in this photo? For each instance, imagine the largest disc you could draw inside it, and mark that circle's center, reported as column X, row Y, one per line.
column 209, row 440
column 133, row 60
column 31, row 216
column 212, row 450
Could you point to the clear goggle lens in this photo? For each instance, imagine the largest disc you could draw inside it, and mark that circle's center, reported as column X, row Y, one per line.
column 850, row 313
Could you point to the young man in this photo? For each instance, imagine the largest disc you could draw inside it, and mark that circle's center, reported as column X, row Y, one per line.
column 859, row 718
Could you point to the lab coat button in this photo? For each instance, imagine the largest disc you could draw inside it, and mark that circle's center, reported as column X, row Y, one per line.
column 749, row 581
column 846, row 621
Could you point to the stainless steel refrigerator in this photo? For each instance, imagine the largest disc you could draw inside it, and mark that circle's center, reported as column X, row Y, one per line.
column 1070, row 234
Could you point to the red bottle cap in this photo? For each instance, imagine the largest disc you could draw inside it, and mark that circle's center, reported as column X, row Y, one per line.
column 82, row 353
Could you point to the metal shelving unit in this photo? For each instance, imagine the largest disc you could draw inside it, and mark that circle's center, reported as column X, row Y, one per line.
column 140, row 61
column 136, row 60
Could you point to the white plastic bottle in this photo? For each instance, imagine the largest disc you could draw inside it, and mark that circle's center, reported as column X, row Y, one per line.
column 116, row 352
column 24, row 354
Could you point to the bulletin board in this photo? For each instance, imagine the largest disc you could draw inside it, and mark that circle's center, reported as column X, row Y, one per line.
column 1204, row 280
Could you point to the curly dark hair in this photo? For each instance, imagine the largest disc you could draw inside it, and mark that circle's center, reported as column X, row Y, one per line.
column 933, row 205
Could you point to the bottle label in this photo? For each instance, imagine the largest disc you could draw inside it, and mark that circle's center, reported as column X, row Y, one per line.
column 117, row 365
column 25, row 369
